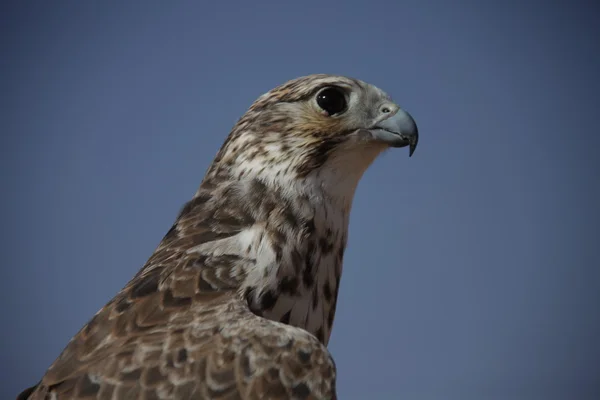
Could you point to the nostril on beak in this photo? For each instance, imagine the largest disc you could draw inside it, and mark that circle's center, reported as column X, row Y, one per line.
column 387, row 109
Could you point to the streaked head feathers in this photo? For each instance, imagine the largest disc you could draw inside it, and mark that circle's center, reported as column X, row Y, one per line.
column 297, row 127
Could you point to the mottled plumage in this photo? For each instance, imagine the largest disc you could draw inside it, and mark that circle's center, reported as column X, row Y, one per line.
column 238, row 300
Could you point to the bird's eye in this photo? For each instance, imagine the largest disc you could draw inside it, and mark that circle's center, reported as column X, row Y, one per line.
column 332, row 100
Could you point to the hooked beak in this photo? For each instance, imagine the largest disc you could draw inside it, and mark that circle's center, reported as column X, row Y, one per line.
column 399, row 130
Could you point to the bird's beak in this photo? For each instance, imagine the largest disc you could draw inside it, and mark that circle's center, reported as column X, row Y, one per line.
column 399, row 130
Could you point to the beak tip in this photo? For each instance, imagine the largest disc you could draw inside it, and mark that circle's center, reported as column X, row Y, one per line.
column 412, row 146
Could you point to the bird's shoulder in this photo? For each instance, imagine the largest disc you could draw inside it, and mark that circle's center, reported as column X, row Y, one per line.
column 221, row 351
column 181, row 329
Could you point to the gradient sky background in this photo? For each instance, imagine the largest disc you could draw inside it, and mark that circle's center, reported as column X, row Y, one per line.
column 472, row 269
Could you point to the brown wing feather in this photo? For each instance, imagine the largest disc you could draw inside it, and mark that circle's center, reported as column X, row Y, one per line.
column 180, row 330
column 222, row 352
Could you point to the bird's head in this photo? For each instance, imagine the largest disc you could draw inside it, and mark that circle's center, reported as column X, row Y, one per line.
column 323, row 129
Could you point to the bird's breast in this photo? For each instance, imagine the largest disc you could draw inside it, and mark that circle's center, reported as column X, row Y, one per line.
column 297, row 283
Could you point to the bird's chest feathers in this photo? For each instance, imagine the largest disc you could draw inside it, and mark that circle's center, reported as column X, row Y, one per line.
column 296, row 276
column 297, row 243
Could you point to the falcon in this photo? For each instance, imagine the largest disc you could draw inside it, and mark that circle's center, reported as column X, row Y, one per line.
column 238, row 300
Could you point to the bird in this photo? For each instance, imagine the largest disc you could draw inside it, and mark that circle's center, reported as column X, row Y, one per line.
column 238, row 299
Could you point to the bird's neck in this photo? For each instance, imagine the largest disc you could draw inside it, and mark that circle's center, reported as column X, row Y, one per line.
column 299, row 261
column 295, row 229
column 332, row 184
column 296, row 234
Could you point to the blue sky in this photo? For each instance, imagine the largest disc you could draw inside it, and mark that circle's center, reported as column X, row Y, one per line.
column 472, row 269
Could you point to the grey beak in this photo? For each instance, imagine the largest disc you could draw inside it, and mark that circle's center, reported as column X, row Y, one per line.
column 399, row 130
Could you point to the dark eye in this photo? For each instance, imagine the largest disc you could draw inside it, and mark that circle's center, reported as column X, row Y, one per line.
column 332, row 100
